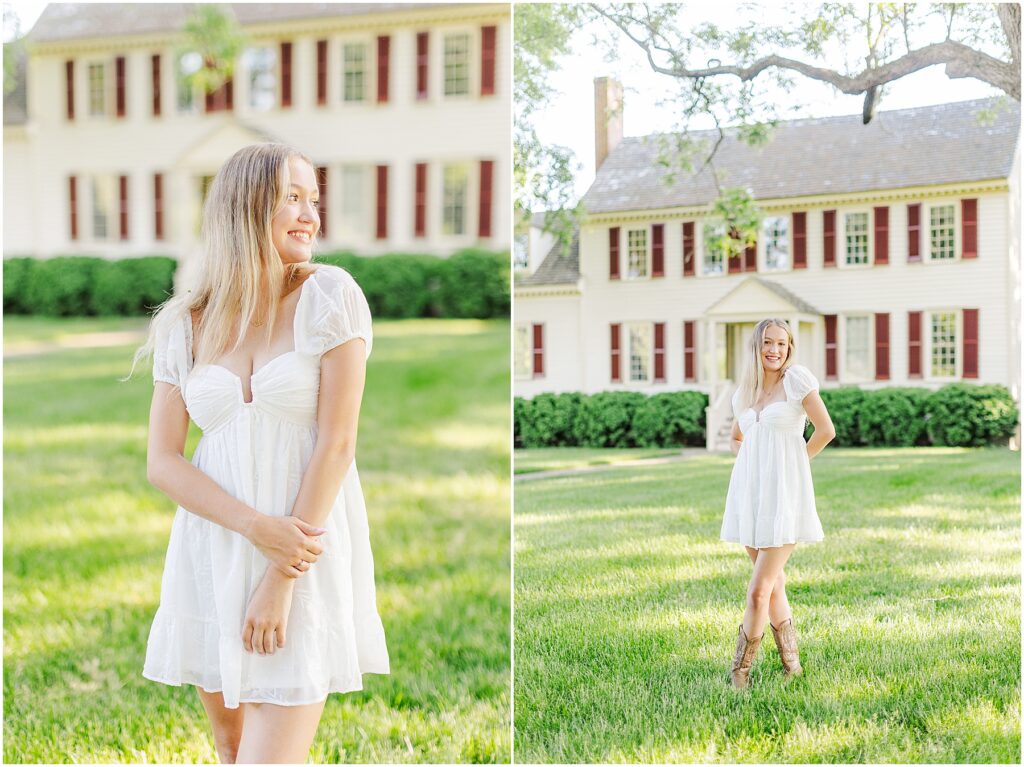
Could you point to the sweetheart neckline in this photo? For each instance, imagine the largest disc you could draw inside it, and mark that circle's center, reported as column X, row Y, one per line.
column 252, row 376
column 758, row 412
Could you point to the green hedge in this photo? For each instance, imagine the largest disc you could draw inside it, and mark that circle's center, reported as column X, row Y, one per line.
column 610, row 419
column 470, row 283
column 956, row 415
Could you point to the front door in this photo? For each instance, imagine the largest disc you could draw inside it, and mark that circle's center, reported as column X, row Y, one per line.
column 737, row 346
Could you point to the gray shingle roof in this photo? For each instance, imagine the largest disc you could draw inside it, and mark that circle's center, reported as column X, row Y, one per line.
column 557, row 268
column 15, row 102
column 68, row 21
column 906, row 147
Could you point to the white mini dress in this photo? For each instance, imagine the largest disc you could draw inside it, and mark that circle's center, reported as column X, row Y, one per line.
column 771, row 495
column 258, row 452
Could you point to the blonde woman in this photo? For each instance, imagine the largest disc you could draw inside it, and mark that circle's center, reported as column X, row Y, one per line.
column 770, row 504
column 267, row 600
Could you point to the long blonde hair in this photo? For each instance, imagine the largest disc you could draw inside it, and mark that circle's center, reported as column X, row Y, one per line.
column 240, row 271
column 752, row 377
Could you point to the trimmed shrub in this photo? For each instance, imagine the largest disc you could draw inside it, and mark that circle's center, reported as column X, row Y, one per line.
column 606, row 419
column 133, row 286
column 552, row 418
column 962, row 415
column 893, row 417
column 17, row 272
column 844, row 407
column 62, row 286
column 475, row 283
column 396, row 285
column 671, row 418
column 520, row 421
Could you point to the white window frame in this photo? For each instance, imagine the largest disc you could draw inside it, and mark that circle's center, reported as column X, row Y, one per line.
column 472, row 63
column 958, row 344
column 766, row 239
column 110, row 219
column 521, row 251
column 846, row 375
column 648, row 247
column 523, row 351
column 369, row 68
column 354, row 222
column 703, row 250
column 841, row 238
column 627, row 346
column 180, row 87
column 106, row 68
column 467, row 207
column 273, row 73
column 926, row 231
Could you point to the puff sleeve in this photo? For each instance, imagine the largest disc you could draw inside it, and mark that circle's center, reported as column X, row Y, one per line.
column 171, row 350
column 736, row 404
column 333, row 310
column 799, row 382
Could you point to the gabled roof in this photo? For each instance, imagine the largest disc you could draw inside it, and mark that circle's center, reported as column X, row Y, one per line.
column 68, row 21
column 750, row 295
column 929, row 145
column 16, row 102
column 557, row 268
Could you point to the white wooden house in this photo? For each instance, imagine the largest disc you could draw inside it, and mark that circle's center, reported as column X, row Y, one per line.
column 404, row 108
column 893, row 250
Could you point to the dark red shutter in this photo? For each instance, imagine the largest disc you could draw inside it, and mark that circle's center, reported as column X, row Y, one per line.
column 155, row 68
column 229, row 94
column 800, row 240
column 735, row 260
column 659, row 352
column 538, row 350
column 970, row 343
column 914, row 344
column 658, row 250
column 286, row 75
column 421, row 64
column 382, row 202
column 881, row 347
column 688, row 249
column 119, row 85
column 689, row 350
column 322, row 208
column 221, row 99
column 829, row 221
column 73, row 205
column 69, row 86
column 158, row 206
column 383, row 67
column 750, row 257
column 882, row 234
column 122, row 188
column 421, row 200
column 831, row 359
column 613, row 253
column 616, row 354
column 486, row 193
column 487, row 60
column 914, row 232
column 321, row 72
column 969, row 227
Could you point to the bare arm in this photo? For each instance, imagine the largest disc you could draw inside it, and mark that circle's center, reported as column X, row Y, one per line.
column 283, row 542
column 824, row 431
column 737, row 437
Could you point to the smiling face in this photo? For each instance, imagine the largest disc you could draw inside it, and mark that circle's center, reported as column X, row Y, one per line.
column 774, row 348
column 295, row 225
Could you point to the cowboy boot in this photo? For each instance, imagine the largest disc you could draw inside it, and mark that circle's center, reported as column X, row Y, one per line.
column 785, row 640
column 746, row 651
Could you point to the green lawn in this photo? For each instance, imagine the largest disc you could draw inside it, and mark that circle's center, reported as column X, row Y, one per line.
column 908, row 616
column 85, row 536
column 535, row 459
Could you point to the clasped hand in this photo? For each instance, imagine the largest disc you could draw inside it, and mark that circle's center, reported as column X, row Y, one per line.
column 289, row 543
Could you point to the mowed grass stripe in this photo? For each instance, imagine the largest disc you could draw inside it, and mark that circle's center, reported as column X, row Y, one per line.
column 908, row 616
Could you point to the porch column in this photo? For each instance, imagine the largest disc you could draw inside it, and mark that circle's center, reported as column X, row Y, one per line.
column 794, row 325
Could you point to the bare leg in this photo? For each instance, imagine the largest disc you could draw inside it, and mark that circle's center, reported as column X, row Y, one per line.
column 767, row 569
column 778, row 606
column 278, row 734
column 226, row 723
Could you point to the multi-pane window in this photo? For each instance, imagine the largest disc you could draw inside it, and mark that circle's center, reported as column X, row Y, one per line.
column 97, row 89
column 636, row 241
column 942, row 232
column 858, row 347
column 524, row 350
column 776, row 238
column 456, row 65
column 640, row 352
column 102, row 206
column 856, row 238
column 943, row 346
column 714, row 255
column 188, row 64
column 521, row 251
column 456, row 192
column 354, row 214
column 262, row 66
column 354, row 79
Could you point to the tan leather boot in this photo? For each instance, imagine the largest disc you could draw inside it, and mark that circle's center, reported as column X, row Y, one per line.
column 746, row 651
column 785, row 640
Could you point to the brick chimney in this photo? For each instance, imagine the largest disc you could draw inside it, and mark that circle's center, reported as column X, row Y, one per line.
column 607, row 117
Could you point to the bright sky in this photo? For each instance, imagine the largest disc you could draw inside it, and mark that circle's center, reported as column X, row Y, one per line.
column 569, row 120
column 27, row 12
